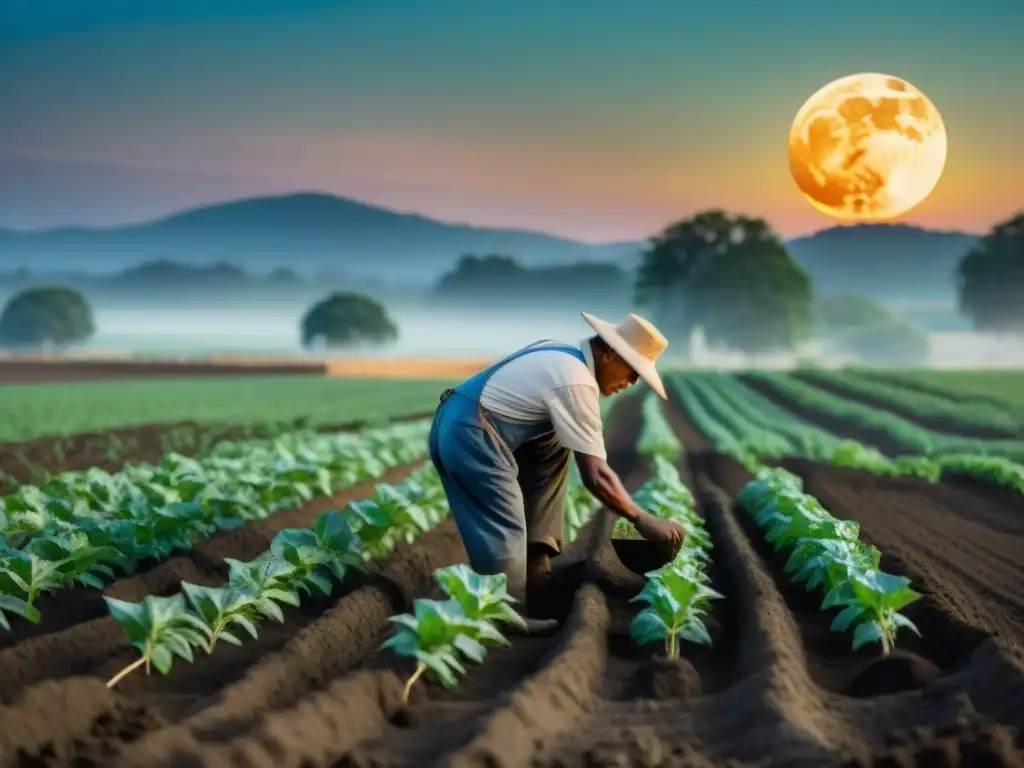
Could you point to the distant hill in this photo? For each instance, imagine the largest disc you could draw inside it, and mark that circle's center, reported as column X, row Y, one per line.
column 883, row 261
column 309, row 233
column 316, row 233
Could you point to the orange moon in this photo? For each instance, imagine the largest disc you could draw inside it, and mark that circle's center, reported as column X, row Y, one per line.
column 867, row 147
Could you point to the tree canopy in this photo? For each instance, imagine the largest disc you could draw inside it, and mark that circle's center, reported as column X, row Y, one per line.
column 496, row 277
column 730, row 275
column 347, row 319
column 990, row 279
column 43, row 315
column 866, row 329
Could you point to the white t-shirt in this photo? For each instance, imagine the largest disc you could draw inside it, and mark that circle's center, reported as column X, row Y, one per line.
column 555, row 386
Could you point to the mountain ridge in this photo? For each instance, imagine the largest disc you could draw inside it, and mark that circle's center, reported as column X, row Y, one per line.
column 312, row 232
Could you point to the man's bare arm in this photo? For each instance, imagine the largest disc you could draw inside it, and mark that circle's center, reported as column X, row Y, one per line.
column 604, row 484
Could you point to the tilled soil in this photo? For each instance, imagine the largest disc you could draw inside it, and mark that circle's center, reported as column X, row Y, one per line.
column 776, row 689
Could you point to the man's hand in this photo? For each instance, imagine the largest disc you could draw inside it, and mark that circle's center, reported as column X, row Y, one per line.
column 657, row 529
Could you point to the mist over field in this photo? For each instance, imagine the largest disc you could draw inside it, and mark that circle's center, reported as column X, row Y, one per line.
column 428, row 330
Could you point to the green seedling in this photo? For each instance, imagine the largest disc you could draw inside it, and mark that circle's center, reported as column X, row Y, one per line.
column 221, row 609
column 873, row 601
column 160, row 628
column 656, row 436
column 268, row 580
column 330, row 548
column 435, row 635
column 481, row 598
column 9, row 604
column 677, row 602
column 825, row 553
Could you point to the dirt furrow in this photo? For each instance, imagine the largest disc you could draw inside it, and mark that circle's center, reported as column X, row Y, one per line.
column 225, row 698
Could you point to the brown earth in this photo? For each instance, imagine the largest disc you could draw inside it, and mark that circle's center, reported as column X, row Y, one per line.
column 777, row 688
column 34, row 461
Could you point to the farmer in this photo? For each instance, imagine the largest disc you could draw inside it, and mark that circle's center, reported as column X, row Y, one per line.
column 501, row 442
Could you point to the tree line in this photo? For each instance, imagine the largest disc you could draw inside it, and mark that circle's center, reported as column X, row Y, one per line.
column 729, row 275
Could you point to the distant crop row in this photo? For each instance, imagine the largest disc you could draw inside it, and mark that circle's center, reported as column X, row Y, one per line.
column 914, row 438
column 922, row 405
column 746, row 425
column 740, row 422
column 1002, row 389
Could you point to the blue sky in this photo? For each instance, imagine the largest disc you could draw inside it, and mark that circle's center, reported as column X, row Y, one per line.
column 600, row 120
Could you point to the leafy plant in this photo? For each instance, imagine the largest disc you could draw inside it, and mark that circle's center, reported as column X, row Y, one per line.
column 435, row 635
column 328, row 549
column 221, row 609
column 873, row 601
column 677, row 601
column 160, row 628
column 85, row 527
column 580, row 506
column 656, row 436
column 480, row 597
column 826, row 553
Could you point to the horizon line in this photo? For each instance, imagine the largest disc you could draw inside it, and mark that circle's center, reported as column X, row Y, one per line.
column 438, row 220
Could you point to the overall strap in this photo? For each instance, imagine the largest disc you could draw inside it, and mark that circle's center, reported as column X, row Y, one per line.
column 473, row 386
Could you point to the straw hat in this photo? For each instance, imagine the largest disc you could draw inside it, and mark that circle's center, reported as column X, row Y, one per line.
column 638, row 342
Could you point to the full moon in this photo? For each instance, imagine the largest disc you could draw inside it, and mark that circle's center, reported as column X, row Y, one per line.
column 867, row 147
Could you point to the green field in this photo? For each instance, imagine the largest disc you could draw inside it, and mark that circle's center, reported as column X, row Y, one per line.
column 1003, row 388
column 34, row 410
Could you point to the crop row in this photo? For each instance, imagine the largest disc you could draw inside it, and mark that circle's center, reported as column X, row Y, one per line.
column 300, row 560
column 678, row 595
column 744, row 424
column 823, row 552
column 1002, row 389
column 916, row 439
column 306, row 561
column 85, row 527
column 656, row 435
column 921, row 405
column 826, row 554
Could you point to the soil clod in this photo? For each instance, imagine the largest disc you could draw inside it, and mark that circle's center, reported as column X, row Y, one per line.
column 895, row 673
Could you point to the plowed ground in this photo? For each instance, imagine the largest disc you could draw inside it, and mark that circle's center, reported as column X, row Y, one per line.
column 777, row 689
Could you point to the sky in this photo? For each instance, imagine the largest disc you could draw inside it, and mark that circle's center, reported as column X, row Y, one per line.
column 594, row 119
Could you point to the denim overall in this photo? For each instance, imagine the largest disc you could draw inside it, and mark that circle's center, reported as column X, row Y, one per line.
column 505, row 480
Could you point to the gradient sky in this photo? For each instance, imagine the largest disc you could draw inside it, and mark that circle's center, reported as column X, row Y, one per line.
column 596, row 119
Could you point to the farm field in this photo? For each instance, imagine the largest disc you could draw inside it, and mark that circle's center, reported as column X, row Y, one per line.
column 53, row 427
column 775, row 686
column 1001, row 388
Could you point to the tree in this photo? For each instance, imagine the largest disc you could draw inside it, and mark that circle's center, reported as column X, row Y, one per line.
column 864, row 328
column 347, row 319
column 849, row 310
column 990, row 279
column 491, row 278
column 44, row 315
column 730, row 275
column 895, row 343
